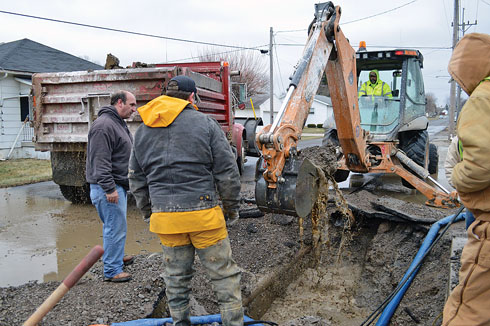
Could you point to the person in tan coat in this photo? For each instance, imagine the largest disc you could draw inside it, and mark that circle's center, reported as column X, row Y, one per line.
column 468, row 304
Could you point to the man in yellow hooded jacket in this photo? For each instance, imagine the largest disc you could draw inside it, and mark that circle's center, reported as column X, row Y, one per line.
column 375, row 86
column 180, row 165
column 468, row 303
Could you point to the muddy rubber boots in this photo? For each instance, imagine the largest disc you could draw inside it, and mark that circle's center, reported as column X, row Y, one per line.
column 225, row 276
column 178, row 273
column 220, row 267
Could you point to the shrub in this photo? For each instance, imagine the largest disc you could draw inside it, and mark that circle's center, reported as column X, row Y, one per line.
column 311, row 125
column 320, row 125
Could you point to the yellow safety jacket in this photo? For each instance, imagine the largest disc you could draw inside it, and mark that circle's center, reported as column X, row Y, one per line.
column 380, row 88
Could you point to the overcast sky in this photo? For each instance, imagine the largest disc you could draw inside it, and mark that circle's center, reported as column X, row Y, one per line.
column 421, row 24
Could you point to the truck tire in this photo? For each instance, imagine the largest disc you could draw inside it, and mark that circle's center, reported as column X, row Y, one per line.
column 415, row 145
column 240, row 160
column 433, row 159
column 77, row 195
column 330, row 137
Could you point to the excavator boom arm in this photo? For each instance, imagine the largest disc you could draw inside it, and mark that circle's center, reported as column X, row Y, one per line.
column 326, row 40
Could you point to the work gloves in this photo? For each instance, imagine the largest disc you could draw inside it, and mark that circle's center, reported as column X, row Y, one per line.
column 231, row 218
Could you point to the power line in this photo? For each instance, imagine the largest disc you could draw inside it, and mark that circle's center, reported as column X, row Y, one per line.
column 356, row 20
column 445, row 14
column 127, row 32
column 488, row 4
column 278, row 66
column 381, row 13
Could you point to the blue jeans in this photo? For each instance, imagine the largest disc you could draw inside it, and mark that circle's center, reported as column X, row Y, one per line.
column 469, row 218
column 114, row 228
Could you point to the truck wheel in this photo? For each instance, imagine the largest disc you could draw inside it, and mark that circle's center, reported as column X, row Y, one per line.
column 330, row 137
column 433, row 159
column 414, row 144
column 77, row 195
column 240, row 160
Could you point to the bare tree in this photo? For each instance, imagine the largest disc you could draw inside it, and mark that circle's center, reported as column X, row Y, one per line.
column 431, row 107
column 252, row 66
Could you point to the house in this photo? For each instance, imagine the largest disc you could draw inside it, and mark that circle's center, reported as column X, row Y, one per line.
column 18, row 61
column 252, row 107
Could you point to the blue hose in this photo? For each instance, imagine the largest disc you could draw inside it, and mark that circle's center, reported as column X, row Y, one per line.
column 390, row 308
column 208, row 319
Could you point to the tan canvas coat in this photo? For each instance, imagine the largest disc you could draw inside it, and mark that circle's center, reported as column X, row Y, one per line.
column 469, row 65
column 452, row 158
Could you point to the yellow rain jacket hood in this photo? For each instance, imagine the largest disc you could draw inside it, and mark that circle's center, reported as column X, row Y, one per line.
column 162, row 111
column 469, row 64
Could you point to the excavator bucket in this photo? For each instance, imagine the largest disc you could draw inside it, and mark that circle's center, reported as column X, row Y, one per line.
column 307, row 187
column 295, row 194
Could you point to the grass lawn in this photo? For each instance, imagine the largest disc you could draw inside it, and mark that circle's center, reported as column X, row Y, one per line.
column 23, row 171
column 313, row 130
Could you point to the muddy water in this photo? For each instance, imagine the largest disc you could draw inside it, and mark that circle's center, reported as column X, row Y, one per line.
column 43, row 236
column 328, row 294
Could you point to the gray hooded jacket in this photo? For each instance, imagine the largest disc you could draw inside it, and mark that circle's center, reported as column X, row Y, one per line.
column 182, row 166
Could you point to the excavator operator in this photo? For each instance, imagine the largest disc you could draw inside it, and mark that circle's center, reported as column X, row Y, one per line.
column 375, row 86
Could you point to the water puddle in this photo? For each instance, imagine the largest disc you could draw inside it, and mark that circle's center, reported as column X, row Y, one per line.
column 43, row 236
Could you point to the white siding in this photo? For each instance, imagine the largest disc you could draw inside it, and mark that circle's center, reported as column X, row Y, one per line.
column 319, row 113
column 10, row 123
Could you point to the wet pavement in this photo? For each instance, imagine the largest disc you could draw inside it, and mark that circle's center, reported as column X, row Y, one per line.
column 43, row 236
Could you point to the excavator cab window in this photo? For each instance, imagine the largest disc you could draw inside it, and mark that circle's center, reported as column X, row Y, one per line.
column 380, row 112
column 415, row 93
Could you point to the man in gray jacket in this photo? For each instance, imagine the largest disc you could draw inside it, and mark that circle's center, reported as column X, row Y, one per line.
column 180, row 163
column 108, row 151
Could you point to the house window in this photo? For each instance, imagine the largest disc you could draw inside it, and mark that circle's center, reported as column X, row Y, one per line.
column 312, row 110
column 24, row 107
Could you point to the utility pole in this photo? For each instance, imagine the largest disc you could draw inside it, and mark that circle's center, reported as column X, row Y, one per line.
column 452, row 90
column 271, row 78
column 465, row 27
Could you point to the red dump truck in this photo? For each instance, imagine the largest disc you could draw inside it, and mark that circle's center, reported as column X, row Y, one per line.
column 66, row 104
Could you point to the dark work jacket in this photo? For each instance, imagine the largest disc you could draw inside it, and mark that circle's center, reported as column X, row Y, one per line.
column 183, row 166
column 108, row 151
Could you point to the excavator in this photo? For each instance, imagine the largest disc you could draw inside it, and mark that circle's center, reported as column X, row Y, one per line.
column 373, row 134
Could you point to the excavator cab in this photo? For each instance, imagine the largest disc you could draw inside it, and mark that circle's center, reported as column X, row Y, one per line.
column 400, row 70
column 400, row 110
column 397, row 116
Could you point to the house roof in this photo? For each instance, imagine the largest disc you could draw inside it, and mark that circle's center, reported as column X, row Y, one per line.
column 257, row 100
column 29, row 56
